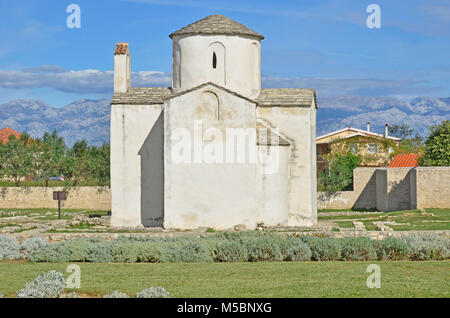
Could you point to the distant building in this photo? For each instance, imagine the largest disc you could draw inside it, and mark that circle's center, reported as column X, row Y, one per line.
column 405, row 160
column 375, row 149
column 6, row 132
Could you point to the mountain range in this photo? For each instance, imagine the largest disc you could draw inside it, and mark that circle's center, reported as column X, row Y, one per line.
column 89, row 119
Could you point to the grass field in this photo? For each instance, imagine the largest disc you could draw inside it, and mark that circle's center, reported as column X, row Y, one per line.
column 274, row 279
column 47, row 213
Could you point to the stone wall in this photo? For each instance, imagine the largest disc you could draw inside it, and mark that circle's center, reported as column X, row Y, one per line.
column 392, row 189
column 432, row 188
column 91, row 198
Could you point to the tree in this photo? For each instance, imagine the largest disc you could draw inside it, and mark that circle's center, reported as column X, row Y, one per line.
column 437, row 146
column 411, row 141
column 338, row 175
column 77, row 162
column 16, row 158
column 50, row 153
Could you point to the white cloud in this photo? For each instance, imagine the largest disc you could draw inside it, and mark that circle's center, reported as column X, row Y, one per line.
column 92, row 81
column 89, row 81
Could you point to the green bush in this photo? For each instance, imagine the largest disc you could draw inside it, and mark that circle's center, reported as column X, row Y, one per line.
column 53, row 253
column 186, row 250
column 427, row 247
column 47, row 285
column 32, row 244
column 98, row 251
column 153, row 292
column 264, row 248
column 234, row 247
column 231, row 251
column 125, row 251
column 9, row 249
column 358, row 249
column 391, row 249
column 150, row 253
column 294, row 249
column 323, row 248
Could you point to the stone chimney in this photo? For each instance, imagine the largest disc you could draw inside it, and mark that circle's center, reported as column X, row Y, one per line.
column 122, row 68
column 368, row 126
column 386, row 130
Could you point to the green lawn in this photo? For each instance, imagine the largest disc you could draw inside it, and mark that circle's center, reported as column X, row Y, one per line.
column 271, row 279
column 46, row 213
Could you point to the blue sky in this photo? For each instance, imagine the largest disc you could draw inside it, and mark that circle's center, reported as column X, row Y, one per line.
column 320, row 44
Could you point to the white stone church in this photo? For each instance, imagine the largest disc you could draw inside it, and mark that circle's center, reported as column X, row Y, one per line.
column 215, row 149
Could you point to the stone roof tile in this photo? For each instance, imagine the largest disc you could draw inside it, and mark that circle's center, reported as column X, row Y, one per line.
column 216, row 24
column 268, row 97
column 142, row 96
column 286, row 97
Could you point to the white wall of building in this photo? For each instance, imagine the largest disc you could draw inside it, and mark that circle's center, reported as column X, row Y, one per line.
column 298, row 124
column 273, row 187
column 214, row 194
column 136, row 194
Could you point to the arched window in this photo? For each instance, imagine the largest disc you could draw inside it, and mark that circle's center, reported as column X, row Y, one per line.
column 214, row 60
column 216, row 53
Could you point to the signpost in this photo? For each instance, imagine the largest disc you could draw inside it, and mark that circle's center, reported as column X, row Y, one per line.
column 59, row 195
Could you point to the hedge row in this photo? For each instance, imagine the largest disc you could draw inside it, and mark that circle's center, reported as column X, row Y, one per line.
column 228, row 247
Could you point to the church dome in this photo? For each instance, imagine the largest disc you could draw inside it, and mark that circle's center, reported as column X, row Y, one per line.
column 220, row 50
column 216, row 25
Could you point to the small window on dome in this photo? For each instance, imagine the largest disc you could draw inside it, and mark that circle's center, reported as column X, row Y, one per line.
column 214, row 60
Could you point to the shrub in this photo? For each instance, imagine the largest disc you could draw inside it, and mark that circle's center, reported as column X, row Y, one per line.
column 153, row 292
column 124, row 251
column 30, row 245
column 78, row 250
column 427, row 247
column 391, row 249
column 47, row 285
column 150, row 253
column 186, row 250
column 358, row 249
column 9, row 249
column 99, row 251
column 116, row 294
column 264, row 248
column 293, row 249
column 53, row 253
column 323, row 249
column 231, row 251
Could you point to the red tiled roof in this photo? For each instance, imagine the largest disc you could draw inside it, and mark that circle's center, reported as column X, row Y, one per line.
column 6, row 132
column 405, row 160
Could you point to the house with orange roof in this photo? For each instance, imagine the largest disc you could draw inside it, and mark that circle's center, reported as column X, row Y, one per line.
column 6, row 132
column 375, row 149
